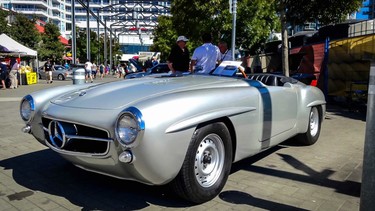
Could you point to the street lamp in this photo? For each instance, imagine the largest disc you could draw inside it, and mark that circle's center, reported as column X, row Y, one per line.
column 233, row 10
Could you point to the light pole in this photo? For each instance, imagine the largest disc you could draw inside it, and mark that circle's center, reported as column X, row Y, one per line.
column 233, row 9
column 88, row 32
column 74, row 35
column 368, row 173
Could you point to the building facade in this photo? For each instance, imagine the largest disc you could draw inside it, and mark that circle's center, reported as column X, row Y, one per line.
column 132, row 21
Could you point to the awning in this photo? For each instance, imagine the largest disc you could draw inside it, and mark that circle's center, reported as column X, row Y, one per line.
column 16, row 48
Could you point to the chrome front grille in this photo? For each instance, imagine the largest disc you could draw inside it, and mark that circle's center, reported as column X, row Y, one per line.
column 75, row 138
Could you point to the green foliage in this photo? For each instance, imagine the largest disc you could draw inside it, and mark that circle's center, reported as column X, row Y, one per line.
column 3, row 21
column 255, row 20
column 164, row 37
column 324, row 11
column 51, row 47
column 94, row 47
column 24, row 31
column 193, row 18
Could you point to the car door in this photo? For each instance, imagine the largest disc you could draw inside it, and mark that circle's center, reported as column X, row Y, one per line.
column 279, row 110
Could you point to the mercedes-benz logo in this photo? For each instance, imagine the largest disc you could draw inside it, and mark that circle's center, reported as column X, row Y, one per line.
column 56, row 134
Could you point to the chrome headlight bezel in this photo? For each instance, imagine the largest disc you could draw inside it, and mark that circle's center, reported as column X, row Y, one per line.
column 129, row 126
column 27, row 108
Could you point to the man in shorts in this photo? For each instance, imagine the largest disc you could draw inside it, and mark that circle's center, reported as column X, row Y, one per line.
column 48, row 71
column 88, row 69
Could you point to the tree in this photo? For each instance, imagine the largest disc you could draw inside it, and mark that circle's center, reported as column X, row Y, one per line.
column 24, row 31
column 301, row 11
column 94, row 49
column 255, row 20
column 164, row 37
column 3, row 21
column 51, row 47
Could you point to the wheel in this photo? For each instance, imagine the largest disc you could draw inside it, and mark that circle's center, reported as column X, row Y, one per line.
column 207, row 164
column 313, row 130
column 60, row 77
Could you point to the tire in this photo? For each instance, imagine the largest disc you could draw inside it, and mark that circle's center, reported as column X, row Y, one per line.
column 313, row 130
column 60, row 77
column 207, row 164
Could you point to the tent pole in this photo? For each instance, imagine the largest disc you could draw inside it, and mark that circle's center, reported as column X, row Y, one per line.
column 19, row 72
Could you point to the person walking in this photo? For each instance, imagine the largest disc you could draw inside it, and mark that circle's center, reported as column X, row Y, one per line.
column 101, row 70
column 94, row 70
column 179, row 58
column 205, row 57
column 88, row 70
column 14, row 74
column 48, row 67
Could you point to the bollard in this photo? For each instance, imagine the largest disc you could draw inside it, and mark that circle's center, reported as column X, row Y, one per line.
column 79, row 76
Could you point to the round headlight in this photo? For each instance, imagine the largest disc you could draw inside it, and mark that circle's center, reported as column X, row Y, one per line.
column 26, row 108
column 129, row 125
column 127, row 129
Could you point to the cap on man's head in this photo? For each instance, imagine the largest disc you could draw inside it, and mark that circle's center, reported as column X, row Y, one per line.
column 182, row 38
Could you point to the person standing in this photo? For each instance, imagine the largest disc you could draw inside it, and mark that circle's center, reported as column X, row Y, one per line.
column 154, row 61
column 48, row 67
column 13, row 74
column 179, row 58
column 205, row 57
column 226, row 54
column 3, row 73
column 88, row 69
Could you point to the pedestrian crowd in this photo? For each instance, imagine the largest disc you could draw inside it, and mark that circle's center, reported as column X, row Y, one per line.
column 204, row 60
column 92, row 70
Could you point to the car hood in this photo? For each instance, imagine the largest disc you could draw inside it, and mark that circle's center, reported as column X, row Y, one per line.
column 115, row 95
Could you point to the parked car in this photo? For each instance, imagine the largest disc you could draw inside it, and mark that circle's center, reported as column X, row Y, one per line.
column 159, row 68
column 185, row 131
column 59, row 73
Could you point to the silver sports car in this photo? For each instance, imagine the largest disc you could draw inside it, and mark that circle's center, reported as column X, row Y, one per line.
column 182, row 130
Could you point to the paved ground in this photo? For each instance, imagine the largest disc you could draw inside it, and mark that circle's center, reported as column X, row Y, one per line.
column 325, row 176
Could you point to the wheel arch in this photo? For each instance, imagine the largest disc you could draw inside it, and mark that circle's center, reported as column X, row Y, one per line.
column 232, row 131
column 321, row 110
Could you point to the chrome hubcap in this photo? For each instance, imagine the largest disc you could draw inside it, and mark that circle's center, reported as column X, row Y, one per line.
column 314, row 121
column 209, row 160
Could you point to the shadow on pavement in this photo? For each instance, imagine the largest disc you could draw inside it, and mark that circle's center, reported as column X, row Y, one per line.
column 313, row 177
column 345, row 112
column 237, row 197
column 47, row 172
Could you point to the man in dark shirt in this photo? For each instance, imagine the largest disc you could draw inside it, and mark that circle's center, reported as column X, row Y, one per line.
column 179, row 58
column 3, row 73
column 48, row 71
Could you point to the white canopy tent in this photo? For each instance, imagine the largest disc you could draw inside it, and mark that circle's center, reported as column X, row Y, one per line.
column 16, row 48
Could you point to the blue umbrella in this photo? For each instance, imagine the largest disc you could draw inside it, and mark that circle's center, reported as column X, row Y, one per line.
column 3, row 49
